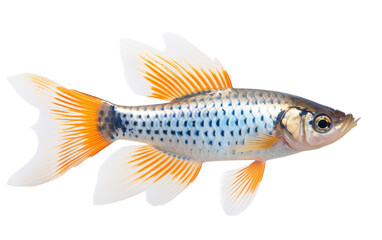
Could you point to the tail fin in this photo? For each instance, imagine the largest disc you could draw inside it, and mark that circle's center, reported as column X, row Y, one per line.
column 67, row 129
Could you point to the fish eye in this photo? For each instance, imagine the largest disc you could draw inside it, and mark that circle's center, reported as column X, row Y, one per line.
column 322, row 123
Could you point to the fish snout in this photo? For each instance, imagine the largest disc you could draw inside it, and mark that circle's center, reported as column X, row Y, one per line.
column 349, row 122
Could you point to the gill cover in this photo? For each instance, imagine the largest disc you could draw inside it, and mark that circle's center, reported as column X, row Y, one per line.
column 292, row 128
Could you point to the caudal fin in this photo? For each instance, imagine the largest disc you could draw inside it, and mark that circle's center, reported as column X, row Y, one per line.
column 67, row 129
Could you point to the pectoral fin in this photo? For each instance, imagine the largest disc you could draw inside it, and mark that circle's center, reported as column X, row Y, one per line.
column 239, row 187
column 256, row 142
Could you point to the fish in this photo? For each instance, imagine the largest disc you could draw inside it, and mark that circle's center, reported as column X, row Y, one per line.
column 201, row 118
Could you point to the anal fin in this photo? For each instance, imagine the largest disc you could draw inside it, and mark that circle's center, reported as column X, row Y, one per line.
column 132, row 170
column 239, row 187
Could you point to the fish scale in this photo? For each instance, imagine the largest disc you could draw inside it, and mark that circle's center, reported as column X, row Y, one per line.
column 204, row 127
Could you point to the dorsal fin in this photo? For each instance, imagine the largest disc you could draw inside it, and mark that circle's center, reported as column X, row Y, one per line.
column 178, row 71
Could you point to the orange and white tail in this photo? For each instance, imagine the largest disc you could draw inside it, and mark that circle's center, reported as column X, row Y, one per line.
column 67, row 129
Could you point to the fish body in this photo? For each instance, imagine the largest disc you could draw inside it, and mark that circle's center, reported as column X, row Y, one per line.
column 206, row 127
column 203, row 119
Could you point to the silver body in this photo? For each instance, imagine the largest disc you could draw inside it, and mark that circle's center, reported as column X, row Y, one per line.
column 205, row 126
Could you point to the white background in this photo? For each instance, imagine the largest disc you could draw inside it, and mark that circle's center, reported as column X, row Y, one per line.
column 327, row 51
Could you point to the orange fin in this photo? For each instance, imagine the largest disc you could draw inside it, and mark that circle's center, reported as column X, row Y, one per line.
column 135, row 169
column 67, row 129
column 256, row 142
column 239, row 187
column 178, row 71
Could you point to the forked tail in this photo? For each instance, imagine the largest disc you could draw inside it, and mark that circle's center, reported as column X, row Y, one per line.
column 67, row 129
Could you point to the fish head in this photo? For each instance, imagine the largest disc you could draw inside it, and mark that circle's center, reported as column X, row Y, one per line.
column 309, row 125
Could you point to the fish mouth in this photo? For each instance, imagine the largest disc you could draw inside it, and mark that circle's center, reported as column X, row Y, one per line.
column 348, row 123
